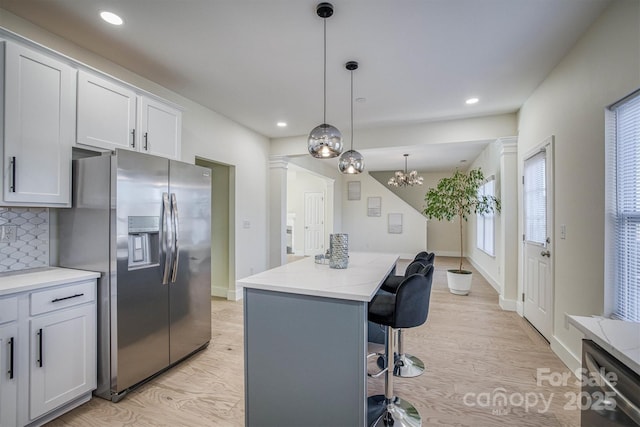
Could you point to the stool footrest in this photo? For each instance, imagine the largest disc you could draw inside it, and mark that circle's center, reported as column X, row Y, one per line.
column 382, row 368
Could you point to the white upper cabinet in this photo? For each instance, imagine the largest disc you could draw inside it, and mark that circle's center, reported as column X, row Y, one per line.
column 112, row 115
column 39, row 128
column 106, row 113
column 160, row 128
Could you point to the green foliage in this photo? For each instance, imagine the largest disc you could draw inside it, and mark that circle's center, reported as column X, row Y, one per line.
column 457, row 197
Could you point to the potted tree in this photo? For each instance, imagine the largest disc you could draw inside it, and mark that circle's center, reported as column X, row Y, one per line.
column 457, row 197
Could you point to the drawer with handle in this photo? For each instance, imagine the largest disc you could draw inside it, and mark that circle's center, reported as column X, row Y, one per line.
column 62, row 297
column 8, row 309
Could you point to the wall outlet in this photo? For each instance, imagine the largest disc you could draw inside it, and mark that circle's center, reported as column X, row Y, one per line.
column 8, row 233
column 246, row 224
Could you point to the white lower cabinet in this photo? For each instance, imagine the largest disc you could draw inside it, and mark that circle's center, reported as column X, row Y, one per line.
column 63, row 358
column 8, row 380
column 47, row 352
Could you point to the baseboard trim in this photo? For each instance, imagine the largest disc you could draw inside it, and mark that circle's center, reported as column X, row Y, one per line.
column 219, row 291
column 568, row 358
column 493, row 282
column 508, row 304
column 229, row 294
column 234, row 294
column 447, row 253
column 520, row 308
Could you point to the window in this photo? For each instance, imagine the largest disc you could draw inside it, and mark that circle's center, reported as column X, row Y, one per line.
column 485, row 223
column 535, row 198
column 623, row 209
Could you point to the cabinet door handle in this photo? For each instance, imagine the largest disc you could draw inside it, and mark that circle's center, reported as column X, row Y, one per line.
column 10, row 358
column 146, row 140
column 39, row 361
column 69, row 297
column 133, row 138
column 12, row 163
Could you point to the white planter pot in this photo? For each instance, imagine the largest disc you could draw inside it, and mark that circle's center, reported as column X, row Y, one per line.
column 459, row 283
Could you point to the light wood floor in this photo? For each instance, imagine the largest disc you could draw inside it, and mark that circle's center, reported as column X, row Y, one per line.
column 473, row 350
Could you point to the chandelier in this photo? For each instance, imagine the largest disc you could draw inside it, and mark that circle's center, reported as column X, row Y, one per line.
column 405, row 179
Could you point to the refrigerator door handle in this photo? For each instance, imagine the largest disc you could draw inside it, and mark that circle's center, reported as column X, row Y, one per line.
column 168, row 245
column 176, row 248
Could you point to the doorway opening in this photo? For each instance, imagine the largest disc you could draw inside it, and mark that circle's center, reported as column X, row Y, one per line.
column 309, row 212
column 222, row 228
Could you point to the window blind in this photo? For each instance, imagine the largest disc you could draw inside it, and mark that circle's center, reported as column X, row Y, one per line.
column 485, row 224
column 535, row 198
column 625, row 146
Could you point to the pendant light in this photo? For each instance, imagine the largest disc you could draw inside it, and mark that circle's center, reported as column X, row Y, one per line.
column 325, row 140
column 351, row 162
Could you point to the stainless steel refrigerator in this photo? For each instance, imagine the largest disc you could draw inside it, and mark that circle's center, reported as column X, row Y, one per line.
column 144, row 223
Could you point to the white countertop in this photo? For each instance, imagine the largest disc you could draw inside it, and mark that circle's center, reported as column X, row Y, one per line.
column 620, row 338
column 26, row 280
column 358, row 282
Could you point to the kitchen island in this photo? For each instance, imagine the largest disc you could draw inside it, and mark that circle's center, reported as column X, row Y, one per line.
column 305, row 341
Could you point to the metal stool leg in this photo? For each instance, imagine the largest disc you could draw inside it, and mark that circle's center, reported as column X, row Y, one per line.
column 391, row 410
column 407, row 366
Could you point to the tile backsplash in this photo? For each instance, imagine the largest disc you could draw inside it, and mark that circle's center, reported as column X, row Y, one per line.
column 31, row 246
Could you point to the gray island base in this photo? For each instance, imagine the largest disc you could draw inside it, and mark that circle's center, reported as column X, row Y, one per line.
column 305, row 342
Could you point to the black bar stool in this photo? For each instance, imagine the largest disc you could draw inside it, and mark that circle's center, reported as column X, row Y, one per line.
column 407, row 365
column 407, row 308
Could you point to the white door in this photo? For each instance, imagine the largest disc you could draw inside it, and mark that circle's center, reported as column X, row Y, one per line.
column 538, row 239
column 106, row 113
column 8, row 370
column 313, row 223
column 160, row 129
column 62, row 358
column 39, row 127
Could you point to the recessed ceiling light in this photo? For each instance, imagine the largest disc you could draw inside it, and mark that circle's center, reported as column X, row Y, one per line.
column 111, row 18
column 281, row 124
column 471, row 101
column 361, row 99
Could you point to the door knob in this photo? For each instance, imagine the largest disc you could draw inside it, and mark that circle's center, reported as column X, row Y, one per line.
column 546, row 253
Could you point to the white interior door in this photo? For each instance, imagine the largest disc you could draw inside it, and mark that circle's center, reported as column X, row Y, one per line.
column 537, row 242
column 313, row 223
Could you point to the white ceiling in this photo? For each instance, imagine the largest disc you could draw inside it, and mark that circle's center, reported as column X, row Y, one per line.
column 259, row 62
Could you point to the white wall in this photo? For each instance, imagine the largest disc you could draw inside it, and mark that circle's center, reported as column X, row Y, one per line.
column 370, row 233
column 205, row 134
column 443, row 235
column 488, row 265
column 603, row 67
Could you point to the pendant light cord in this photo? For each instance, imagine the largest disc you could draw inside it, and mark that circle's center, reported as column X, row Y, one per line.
column 351, row 110
column 325, row 72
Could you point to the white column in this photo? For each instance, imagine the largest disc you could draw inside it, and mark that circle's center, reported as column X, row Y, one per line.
column 278, row 166
column 509, row 222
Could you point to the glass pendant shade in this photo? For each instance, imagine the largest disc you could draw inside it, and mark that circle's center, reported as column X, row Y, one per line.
column 325, row 141
column 351, row 162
